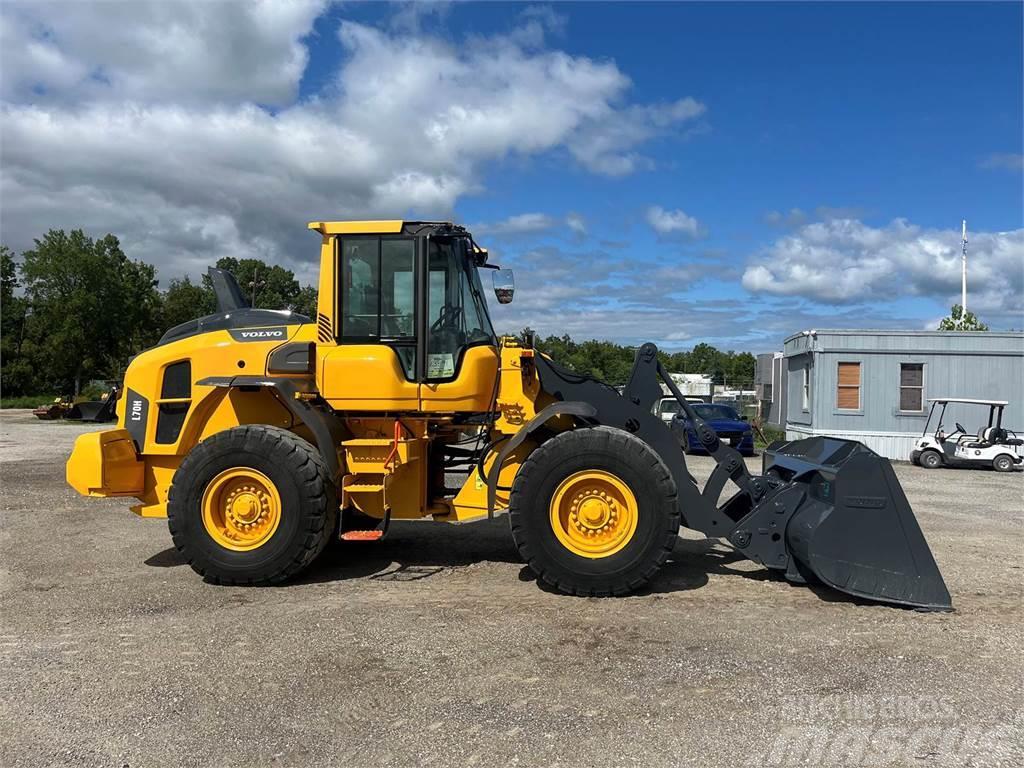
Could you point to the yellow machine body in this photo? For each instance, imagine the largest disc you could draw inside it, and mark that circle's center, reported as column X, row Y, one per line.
column 362, row 384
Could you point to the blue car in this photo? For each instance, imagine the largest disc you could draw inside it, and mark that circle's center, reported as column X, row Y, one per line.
column 720, row 417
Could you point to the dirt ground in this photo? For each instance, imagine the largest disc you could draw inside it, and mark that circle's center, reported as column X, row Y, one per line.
column 437, row 647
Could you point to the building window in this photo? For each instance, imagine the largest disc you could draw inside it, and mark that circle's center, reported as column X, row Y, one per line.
column 806, row 390
column 848, row 394
column 911, row 386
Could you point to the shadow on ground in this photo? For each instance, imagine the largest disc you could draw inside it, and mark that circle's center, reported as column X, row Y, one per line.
column 413, row 551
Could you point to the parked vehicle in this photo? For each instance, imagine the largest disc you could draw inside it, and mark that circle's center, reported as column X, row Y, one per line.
column 53, row 411
column 668, row 407
column 728, row 425
column 991, row 446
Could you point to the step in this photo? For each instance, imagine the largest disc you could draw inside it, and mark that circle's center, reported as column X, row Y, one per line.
column 363, row 488
column 374, row 535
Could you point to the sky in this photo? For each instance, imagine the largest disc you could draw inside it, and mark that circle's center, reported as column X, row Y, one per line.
column 729, row 173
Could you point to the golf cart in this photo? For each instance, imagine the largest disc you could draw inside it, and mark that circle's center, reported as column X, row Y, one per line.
column 992, row 446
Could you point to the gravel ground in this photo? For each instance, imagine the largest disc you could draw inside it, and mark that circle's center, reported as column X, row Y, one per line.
column 437, row 647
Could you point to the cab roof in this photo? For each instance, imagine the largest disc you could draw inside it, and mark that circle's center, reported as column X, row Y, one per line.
column 376, row 227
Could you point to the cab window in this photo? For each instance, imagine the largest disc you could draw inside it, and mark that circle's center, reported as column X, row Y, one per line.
column 377, row 295
column 457, row 314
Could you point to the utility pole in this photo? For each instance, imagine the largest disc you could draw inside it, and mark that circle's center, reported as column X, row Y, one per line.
column 963, row 267
column 256, row 284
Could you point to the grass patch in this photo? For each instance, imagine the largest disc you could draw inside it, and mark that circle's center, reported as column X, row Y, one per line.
column 26, row 401
column 771, row 434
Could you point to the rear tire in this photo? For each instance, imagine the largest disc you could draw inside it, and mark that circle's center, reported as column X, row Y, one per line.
column 305, row 501
column 1002, row 463
column 930, row 459
column 622, row 461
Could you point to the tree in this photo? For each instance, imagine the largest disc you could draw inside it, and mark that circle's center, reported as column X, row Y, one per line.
column 184, row 301
column 91, row 308
column 16, row 376
column 275, row 287
column 959, row 320
column 305, row 303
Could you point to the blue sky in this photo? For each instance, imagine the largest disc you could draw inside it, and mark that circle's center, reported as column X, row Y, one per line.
column 675, row 172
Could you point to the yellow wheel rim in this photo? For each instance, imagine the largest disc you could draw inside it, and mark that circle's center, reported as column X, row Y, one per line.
column 241, row 509
column 593, row 513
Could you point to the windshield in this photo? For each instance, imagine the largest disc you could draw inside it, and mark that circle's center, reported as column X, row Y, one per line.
column 715, row 411
column 457, row 311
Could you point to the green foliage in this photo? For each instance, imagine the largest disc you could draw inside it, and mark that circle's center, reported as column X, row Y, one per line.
column 613, row 362
column 767, row 435
column 88, row 309
column 959, row 320
column 274, row 287
column 16, row 373
column 184, row 301
column 26, row 401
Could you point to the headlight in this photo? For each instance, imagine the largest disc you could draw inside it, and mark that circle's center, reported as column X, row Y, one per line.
column 747, row 432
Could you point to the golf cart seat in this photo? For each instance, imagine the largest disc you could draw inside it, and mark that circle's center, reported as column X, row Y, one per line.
column 980, row 441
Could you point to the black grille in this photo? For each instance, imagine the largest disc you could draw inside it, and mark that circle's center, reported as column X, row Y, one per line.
column 170, row 421
column 323, row 325
column 177, row 381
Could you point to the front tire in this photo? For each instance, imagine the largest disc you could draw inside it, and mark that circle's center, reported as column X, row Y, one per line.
column 1002, row 463
column 594, row 512
column 930, row 459
column 251, row 505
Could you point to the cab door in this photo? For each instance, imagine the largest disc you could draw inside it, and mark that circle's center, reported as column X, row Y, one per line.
column 461, row 356
column 373, row 363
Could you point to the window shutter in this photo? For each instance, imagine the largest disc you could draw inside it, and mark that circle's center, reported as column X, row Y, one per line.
column 848, row 395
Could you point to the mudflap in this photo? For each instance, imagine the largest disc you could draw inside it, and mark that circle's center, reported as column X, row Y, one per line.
column 847, row 523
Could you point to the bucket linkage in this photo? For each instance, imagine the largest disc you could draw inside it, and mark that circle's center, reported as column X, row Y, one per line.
column 823, row 510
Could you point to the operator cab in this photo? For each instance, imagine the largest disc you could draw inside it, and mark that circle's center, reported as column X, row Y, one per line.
column 404, row 299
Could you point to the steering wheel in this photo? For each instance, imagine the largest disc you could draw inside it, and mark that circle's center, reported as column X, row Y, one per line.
column 960, row 427
column 447, row 318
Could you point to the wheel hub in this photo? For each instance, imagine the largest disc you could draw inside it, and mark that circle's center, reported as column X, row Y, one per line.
column 593, row 513
column 241, row 508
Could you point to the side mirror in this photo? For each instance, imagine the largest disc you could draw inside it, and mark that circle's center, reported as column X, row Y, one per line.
column 504, row 285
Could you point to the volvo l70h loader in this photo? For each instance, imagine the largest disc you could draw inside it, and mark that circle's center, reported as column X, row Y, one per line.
column 262, row 435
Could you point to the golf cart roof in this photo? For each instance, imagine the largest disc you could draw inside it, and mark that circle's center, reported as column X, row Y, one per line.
column 966, row 400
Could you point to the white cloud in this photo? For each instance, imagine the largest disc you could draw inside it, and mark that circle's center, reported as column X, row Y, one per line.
column 1008, row 161
column 535, row 223
column 672, row 223
column 150, row 121
column 155, row 51
column 576, row 224
column 520, row 224
column 845, row 260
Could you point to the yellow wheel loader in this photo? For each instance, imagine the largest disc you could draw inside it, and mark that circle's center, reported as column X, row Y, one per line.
column 261, row 436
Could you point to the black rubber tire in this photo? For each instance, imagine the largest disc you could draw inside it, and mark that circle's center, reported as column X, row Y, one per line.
column 930, row 459
column 635, row 463
column 309, row 504
column 1003, row 463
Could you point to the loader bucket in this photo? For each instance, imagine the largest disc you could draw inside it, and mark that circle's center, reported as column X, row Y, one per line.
column 853, row 528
